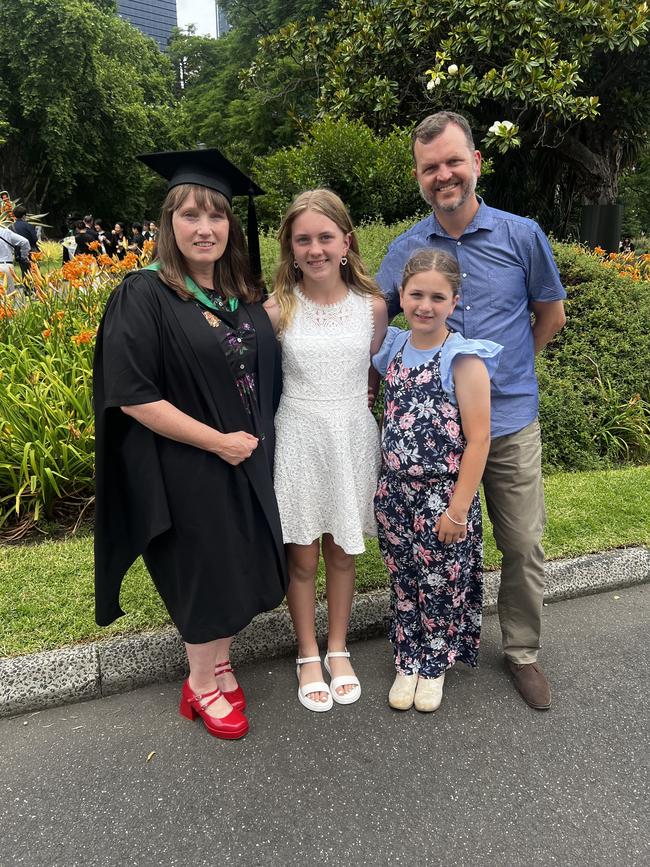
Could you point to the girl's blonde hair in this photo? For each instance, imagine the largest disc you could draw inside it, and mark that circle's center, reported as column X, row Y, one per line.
column 354, row 273
column 232, row 272
column 433, row 260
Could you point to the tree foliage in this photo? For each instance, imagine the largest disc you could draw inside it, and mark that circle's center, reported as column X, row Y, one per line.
column 635, row 195
column 570, row 76
column 218, row 113
column 82, row 92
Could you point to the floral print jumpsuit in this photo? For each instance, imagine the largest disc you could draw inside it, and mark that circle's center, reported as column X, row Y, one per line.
column 436, row 589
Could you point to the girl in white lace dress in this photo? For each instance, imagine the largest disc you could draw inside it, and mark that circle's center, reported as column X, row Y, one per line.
column 330, row 318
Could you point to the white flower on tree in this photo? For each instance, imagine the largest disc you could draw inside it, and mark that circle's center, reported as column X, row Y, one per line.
column 503, row 128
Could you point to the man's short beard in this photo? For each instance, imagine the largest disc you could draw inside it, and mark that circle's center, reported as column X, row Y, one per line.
column 467, row 192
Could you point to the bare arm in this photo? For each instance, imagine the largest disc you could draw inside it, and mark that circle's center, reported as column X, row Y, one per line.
column 165, row 419
column 380, row 321
column 472, row 385
column 273, row 312
column 549, row 319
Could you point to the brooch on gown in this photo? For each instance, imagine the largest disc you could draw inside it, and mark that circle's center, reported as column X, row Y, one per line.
column 213, row 320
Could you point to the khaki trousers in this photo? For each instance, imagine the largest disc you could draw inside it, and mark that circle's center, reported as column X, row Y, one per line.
column 514, row 494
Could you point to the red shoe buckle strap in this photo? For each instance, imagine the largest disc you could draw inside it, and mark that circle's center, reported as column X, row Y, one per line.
column 223, row 668
column 200, row 700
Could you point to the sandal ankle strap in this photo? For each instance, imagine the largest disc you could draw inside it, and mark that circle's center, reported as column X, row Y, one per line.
column 305, row 659
column 332, row 654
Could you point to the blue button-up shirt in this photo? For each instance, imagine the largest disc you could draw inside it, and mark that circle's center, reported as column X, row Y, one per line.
column 506, row 263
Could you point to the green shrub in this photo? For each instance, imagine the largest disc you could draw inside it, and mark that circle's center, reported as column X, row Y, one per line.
column 371, row 174
column 591, row 375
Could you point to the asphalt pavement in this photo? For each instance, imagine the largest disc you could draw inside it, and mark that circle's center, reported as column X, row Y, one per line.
column 484, row 781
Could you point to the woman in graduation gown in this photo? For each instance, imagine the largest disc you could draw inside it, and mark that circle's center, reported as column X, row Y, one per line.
column 185, row 388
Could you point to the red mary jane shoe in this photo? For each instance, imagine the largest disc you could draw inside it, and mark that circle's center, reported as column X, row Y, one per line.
column 230, row 727
column 236, row 697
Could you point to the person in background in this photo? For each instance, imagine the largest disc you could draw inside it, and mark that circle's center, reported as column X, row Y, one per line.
column 91, row 233
column 11, row 245
column 68, row 244
column 27, row 231
column 507, row 274
column 86, row 237
column 81, row 240
column 137, row 239
column 22, row 227
column 119, row 240
column 105, row 239
column 6, row 206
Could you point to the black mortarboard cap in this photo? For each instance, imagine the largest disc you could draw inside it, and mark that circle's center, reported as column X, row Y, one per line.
column 208, row 167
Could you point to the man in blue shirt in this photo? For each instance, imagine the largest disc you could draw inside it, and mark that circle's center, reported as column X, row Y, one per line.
column 508, row 272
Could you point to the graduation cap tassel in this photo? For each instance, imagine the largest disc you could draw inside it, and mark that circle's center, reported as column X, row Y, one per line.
column 253, row 236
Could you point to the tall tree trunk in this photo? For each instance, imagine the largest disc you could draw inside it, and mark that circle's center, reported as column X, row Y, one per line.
column 597, row 165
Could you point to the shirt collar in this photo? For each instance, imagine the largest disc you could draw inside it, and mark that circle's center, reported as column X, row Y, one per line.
column 482, row 219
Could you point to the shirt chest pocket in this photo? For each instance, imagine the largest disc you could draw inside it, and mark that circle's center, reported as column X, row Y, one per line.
column 507, row 288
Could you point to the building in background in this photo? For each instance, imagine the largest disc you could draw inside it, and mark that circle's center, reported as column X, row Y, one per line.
column 154, row 19
column 222, row 22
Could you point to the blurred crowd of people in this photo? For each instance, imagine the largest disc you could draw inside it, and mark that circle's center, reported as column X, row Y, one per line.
column 21, row 232
column 93, row 236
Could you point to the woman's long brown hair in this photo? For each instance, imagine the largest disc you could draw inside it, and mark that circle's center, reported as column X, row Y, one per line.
column 232, row 272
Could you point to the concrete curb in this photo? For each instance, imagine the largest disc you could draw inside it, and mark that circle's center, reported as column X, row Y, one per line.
column 87, row 671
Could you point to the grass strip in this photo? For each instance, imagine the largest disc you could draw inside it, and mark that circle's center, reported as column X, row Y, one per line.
column 46, row 589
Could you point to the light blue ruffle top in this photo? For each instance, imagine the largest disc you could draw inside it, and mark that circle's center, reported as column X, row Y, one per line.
column 456, row 344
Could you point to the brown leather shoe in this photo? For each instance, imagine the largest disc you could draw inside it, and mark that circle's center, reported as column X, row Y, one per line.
column 531, row 683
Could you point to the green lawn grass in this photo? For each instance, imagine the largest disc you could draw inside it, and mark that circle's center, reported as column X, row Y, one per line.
column 46, row 591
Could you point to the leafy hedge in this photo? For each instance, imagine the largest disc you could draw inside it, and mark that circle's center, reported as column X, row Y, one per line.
column 595, row 378
column 371, row 173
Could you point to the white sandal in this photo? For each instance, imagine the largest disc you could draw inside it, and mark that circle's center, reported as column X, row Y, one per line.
column 343, row 680
column 315, row 686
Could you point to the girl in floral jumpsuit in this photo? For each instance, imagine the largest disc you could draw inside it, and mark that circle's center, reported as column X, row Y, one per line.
column 435, row 441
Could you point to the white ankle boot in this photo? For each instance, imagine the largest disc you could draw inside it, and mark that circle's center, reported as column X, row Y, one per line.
column 428, row 693
column 402, row 691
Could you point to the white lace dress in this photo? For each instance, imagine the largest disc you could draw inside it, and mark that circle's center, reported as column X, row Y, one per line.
column 327, row 454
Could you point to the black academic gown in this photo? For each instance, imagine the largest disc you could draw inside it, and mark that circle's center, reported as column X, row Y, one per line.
column 210, row 533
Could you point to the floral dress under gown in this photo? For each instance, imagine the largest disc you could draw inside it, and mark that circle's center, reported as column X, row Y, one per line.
column 327, row 453
column 239, row 343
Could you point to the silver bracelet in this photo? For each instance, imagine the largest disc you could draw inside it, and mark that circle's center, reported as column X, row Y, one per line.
column 458, row 523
